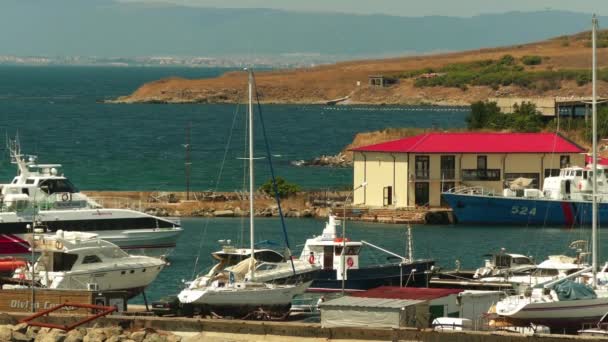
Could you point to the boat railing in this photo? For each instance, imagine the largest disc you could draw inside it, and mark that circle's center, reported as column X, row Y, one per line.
column 472, row 190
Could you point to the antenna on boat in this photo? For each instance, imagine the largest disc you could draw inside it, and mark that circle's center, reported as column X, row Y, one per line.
column 188, row 162
column 594, row 23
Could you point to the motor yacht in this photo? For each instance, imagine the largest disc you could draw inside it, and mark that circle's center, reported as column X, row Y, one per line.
column 83, row 261
column 40, row 193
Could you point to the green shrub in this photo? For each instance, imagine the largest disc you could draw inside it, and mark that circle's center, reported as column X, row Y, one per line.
column 531, row 60
column 284, row 188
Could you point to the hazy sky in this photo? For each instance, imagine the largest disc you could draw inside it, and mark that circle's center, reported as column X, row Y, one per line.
column 413, row 8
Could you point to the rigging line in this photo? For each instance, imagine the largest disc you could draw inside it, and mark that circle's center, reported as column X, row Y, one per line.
column 216, row 186
column 274, row 181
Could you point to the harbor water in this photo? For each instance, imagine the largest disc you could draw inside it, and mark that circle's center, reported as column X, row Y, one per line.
column 59, row 115
column 445, row 244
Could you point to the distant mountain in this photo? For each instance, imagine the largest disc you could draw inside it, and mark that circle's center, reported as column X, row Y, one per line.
column 105, row 28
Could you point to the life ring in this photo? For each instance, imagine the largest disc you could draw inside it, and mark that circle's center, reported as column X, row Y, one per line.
column 58, row 245
column 65, row 197
column 311, row 259
column 350, row 262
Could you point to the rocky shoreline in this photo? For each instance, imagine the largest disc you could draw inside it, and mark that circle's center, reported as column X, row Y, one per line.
column 23, row 333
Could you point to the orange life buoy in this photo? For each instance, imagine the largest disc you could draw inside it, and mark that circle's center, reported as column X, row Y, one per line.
column 350, row 262
column 311, row 259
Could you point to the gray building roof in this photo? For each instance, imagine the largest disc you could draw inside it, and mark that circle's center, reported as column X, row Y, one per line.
column 369, row 302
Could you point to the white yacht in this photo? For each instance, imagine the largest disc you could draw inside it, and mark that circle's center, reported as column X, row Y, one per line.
column 239, row 292
column 83, row 261
column 40, row 191
column 270, row 266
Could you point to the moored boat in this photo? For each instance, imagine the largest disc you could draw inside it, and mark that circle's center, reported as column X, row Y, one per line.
column 326, row 250
column 39, row 193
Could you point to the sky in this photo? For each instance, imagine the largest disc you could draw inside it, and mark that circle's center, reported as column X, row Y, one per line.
column 408, row 8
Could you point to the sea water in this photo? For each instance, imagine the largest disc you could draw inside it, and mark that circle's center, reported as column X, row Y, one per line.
column 59, row 116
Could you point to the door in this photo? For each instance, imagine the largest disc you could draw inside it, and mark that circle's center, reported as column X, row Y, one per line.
column 328, row 257
column 421, row 196
column 388, row 196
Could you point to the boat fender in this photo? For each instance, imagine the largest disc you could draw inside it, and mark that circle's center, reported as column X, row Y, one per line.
column 65, row 197
column 350, row 262
column 58, row 245
column 311, row 259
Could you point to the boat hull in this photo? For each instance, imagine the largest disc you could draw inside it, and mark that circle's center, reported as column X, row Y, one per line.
column 241, row 302
column 568, row 315
column 369, row 277
column 480, row 209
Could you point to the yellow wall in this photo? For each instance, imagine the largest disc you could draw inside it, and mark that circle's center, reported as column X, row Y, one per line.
column 379, row 170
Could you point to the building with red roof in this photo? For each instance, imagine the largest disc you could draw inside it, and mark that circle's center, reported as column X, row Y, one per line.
column 413, row 171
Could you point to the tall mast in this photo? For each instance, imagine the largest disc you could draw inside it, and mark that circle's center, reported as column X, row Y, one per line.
column 594, row 155
column 251, row 227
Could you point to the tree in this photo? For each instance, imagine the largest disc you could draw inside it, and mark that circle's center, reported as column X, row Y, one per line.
column 482, row 114
column 526, row 118
column 284, row 188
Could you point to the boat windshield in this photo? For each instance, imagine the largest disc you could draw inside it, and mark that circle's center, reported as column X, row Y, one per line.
column 521, row 261
column 51, row 186
column 114, row 253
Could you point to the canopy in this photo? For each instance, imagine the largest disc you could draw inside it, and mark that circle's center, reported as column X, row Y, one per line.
column 569, row 290
column 520, row 183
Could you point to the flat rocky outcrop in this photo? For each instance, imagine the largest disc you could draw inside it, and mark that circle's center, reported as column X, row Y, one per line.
column 24, row 333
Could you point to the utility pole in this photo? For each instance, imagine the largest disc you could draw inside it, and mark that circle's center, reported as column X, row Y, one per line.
column 188, row 163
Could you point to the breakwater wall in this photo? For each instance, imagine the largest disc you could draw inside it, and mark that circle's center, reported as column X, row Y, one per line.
column 236, row 330
column 236, row 204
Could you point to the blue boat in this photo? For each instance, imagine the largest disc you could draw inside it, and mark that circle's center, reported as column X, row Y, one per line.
column 487, row 209
column 565, row 200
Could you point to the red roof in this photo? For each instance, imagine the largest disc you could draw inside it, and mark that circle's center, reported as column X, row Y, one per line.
column 476, row 142
column 394, row 292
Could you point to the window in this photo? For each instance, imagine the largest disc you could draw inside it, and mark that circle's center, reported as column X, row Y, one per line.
column 422, row 167
column 30, row 181
column 480, row 175
column 266, row 267
column 448, row 167
column 91, row 259
column 551, row 172
column 564, row 161
column 51, row 186
column 63, row 261
column 482, row 162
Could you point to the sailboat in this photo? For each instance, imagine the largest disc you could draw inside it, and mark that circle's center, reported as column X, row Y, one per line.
column 230, row 293
column 563, row 303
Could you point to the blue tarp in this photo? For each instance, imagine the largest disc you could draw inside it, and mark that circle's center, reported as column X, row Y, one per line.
column 569, row 290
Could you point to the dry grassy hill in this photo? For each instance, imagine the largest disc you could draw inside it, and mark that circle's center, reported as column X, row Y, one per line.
column 324, row 83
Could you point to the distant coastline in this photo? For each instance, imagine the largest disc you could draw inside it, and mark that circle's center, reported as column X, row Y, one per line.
column 555, row 67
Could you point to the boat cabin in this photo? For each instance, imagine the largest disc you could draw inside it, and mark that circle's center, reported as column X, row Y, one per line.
column 41, row 184
column 326, row 250
column 575, row 183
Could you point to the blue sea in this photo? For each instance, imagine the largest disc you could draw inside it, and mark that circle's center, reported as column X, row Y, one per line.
column 59, row 116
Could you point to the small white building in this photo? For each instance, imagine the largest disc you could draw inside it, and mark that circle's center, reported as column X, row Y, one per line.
column 374, row 312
